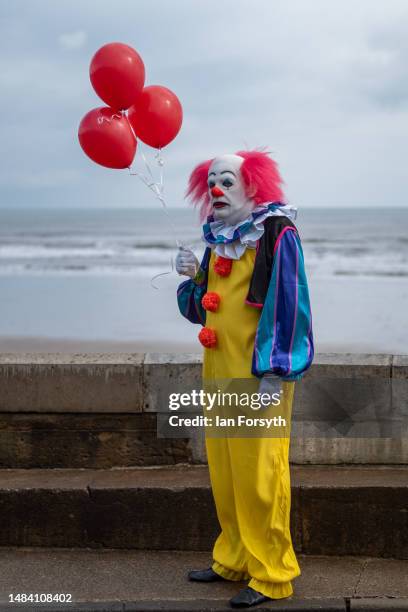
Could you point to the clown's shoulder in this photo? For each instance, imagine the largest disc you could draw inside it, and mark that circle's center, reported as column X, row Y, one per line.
column 275, row 228
column 274, row 225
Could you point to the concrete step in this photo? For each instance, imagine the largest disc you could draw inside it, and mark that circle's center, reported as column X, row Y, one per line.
column 335, row 510
column 124, row 580
column 81, row 440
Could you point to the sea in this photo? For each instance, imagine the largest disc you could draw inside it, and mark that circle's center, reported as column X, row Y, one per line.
column 108, row 274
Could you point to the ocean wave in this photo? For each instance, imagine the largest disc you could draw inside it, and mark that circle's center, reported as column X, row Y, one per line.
column 83, row 270
column 382, row 273
column 151, row 249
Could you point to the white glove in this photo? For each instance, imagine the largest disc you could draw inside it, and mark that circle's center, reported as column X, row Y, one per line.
column 270, row 385
column 187, row 263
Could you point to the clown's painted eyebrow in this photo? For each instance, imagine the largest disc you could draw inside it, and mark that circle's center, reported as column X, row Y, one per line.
column 223, row 172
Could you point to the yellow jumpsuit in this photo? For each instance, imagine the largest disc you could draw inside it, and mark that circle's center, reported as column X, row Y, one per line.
column 250, row 477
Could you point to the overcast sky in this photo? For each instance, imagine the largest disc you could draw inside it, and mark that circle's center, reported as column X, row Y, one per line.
column 323, row 84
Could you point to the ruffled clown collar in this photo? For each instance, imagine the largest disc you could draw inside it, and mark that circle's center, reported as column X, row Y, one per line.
column 231, row 240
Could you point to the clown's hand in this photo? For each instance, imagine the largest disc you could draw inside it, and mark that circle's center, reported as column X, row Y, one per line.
column 187, row 263
column 271, row 386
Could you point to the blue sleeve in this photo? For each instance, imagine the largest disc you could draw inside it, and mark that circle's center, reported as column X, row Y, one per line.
column 284, row 338
column 190, row 293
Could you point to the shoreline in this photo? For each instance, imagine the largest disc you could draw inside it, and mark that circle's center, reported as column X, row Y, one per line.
column 40, row 344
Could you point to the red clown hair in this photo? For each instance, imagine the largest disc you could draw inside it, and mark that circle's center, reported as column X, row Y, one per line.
column 260, row 175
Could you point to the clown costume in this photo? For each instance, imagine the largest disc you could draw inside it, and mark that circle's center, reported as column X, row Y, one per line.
column 250, row 295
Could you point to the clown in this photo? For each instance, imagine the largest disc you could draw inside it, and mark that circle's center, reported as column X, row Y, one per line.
column 250, row 295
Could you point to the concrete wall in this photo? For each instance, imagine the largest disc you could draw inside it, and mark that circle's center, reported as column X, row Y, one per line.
column 349, row 408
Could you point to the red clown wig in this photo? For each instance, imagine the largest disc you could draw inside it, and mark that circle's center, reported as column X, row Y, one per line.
column 260, row 175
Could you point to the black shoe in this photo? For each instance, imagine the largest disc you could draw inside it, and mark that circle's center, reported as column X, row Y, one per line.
column 206, row 575
column 248, row 597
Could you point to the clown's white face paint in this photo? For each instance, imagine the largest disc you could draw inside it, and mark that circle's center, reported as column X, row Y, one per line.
column 227, row 190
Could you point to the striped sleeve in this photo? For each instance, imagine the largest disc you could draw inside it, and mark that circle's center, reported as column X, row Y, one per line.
column 190, row 292
column 189, row 296
column 284, row 338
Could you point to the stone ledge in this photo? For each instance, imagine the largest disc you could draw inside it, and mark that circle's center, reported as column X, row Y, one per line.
column 334, row 510
column 363, row 388
column 82, row 440
column 53, row 382
column 133, row 382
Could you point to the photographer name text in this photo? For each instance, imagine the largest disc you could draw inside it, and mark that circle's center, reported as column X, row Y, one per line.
column 238, row 421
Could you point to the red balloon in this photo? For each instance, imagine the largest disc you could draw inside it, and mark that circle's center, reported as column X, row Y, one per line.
column 117, row 75
column 106, row 137
column 156, row 116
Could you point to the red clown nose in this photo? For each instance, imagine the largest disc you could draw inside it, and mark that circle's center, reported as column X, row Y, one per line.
column 216, row 192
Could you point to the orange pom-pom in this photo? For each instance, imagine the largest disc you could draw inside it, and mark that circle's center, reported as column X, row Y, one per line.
column 208, row 337
column 222, row 266
column 211, row 301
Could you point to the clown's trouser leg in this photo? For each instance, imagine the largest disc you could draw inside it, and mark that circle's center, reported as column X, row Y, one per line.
column 250, row 481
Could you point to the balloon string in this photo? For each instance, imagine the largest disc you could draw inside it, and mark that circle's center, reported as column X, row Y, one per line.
column 162, row 274
column 158, row 189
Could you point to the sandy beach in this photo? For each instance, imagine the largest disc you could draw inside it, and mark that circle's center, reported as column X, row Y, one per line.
column 67, row 345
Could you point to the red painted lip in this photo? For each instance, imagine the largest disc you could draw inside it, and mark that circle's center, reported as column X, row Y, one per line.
column 220, row 204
